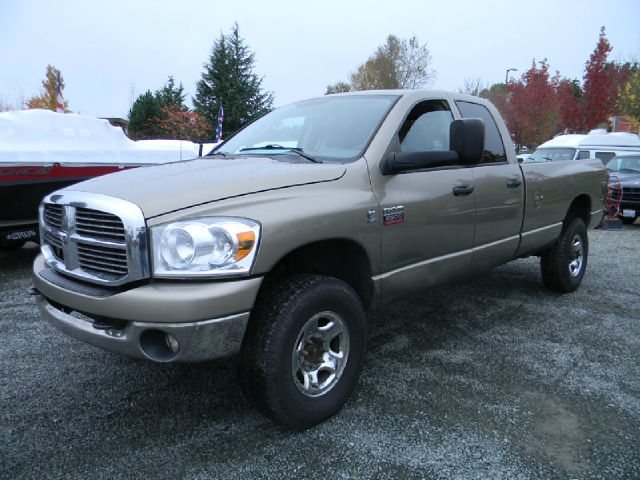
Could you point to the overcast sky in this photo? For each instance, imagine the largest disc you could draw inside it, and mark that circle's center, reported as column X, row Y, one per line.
column 109, row 51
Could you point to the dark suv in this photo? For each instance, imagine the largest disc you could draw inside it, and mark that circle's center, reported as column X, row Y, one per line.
column 627, row 169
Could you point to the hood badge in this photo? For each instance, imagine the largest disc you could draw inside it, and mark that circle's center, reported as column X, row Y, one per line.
column 393, row 215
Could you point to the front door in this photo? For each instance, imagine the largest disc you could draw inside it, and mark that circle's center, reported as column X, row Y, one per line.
column 428, row 215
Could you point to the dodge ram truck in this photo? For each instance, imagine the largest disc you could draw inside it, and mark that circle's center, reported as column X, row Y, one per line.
column 272, row 247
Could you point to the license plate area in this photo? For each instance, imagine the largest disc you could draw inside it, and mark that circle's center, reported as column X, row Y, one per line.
column 628, row 213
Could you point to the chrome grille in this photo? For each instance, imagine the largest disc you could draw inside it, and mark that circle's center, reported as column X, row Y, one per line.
column 92, row 223
column 53, row 215
column 94, row 237
column 102, row 259
column 631, row 194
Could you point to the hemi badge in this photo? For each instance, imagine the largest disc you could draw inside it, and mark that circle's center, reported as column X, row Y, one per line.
column 393, row 215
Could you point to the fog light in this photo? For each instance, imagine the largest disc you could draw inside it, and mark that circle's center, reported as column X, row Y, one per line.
column 172, row 343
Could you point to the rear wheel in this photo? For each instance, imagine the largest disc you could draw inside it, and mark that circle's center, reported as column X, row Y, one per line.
column 564, row 264
column 304, row 350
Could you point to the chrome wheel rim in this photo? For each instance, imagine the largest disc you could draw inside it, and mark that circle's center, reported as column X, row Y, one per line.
column 320, row 354
column 576, row 256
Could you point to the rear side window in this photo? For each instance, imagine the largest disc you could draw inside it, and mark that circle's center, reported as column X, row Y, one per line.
column 493, row 146
column 583, row 155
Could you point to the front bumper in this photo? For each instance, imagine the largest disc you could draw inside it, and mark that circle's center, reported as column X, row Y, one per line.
column 194, row 342
column 205, row 320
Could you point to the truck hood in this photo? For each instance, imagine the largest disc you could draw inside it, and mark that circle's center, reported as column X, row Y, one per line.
column 627, row 179
column 174, row 186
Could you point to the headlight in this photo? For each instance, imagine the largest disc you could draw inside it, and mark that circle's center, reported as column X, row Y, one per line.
column 205, row 247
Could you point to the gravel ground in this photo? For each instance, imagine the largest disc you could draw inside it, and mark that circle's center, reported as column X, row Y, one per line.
column 492, row 378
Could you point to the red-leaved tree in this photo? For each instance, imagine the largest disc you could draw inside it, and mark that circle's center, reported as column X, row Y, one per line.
column 571, row 106
column 532, row 112
column 182, row 124
column 602, row 82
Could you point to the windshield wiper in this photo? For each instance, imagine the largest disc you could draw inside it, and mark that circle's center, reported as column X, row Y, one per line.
column 211, row 154
column 273, row 146
column 630, row 170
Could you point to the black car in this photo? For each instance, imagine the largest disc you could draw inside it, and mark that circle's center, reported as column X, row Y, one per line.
column 626, row 168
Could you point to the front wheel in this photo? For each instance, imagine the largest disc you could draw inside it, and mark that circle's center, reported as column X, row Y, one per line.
column 564, row 264
column 304, row 350
column 9, row 245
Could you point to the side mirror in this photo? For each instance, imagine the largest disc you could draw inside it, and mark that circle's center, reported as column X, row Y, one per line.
column 404, row 161
column 466, row 138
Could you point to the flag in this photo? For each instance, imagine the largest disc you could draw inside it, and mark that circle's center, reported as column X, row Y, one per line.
column 219, row 127
column 59, row 97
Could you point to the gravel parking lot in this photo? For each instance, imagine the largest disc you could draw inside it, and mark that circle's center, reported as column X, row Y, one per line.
column 492, row 378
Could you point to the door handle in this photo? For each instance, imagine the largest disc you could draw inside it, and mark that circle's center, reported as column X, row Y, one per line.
column 514, row 183
column 462, row 190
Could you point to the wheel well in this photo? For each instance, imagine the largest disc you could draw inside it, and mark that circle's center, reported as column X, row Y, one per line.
column 339, row 258
column 579, row 208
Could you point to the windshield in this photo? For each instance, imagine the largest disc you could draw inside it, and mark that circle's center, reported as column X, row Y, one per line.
column 333, row 129
column 624, row 164
column 553, row 154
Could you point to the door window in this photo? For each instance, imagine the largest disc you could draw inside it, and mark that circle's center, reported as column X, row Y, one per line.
column 426, row 129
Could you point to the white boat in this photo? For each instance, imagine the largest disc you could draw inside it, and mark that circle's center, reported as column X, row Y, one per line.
column 42, row 151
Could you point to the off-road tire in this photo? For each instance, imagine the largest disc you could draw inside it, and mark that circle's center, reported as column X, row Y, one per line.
column 555, row 262
column 265, row 363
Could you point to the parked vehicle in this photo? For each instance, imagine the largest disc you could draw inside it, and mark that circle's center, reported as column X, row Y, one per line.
column 42, row 151
column 597, row 144
column 275, row 246
column 626, row 170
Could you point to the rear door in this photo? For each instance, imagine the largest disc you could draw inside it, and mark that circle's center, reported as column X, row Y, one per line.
column 499, row 195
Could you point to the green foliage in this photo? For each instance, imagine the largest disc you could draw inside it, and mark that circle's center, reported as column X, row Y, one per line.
column 228, row 79
column 338, row 87
column 629, row 101
column 398, row 63
column 172, row 96
column 143, row 116
column 147, row 112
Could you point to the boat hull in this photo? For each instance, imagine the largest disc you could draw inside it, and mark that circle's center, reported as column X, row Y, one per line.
column 22, row 187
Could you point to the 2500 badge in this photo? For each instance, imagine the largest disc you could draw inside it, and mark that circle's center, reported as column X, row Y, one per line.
column 393, row 215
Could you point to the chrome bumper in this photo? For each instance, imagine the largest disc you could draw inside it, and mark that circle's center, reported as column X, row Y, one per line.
column 192, row 342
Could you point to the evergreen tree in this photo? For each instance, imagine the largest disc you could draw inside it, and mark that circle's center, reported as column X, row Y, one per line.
column 144, row 115
column 229, row 79
column 172, row 96
column 148, row 111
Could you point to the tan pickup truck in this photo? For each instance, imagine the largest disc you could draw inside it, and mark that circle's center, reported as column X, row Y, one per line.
column 274, row 246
